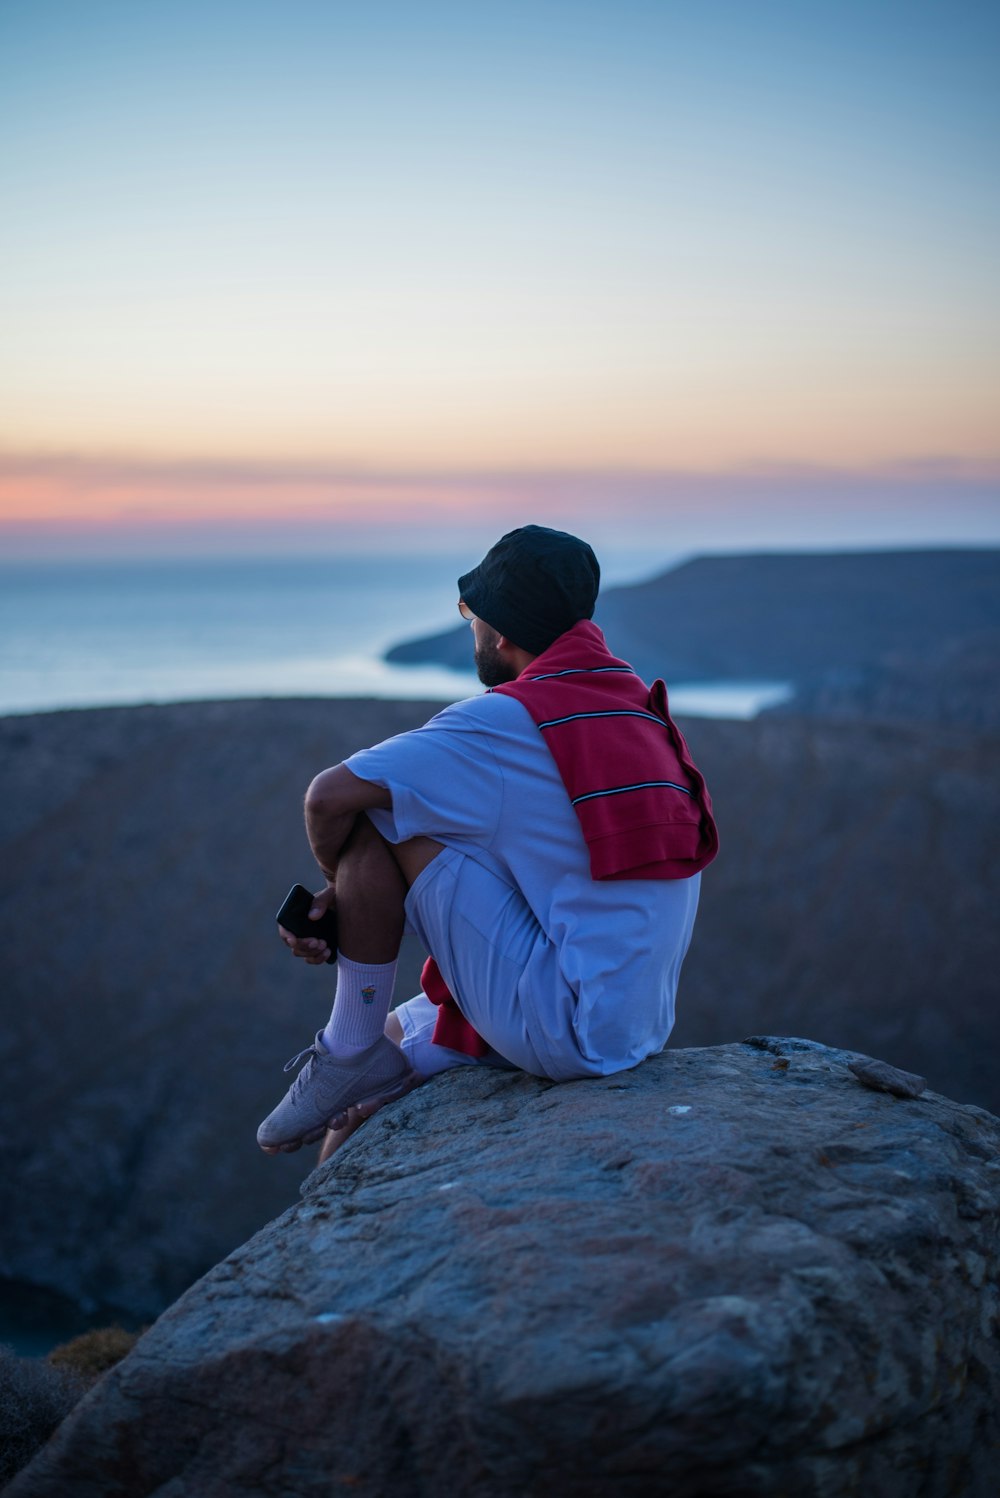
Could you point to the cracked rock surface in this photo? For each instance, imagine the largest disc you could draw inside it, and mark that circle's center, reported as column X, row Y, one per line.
column 734, row 1270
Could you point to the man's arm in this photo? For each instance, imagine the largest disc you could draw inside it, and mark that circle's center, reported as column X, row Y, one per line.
column 334, row 801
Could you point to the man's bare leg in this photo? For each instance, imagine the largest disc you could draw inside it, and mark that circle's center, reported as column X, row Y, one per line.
column 371, row 884
column 412, row 858
column 372, row 880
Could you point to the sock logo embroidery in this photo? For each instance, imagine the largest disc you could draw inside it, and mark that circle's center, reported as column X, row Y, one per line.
column 368, row 993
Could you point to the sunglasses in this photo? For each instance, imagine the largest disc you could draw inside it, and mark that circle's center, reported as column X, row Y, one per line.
column 465, row 611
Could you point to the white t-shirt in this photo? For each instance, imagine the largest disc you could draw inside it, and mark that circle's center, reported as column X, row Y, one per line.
column 478, row 777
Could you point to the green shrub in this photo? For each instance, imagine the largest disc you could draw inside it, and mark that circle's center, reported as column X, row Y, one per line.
column 94, row 1352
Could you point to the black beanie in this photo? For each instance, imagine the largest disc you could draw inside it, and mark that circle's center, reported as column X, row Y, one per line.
column 533, row 586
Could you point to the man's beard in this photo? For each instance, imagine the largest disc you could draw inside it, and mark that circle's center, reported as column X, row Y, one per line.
column 493, row 671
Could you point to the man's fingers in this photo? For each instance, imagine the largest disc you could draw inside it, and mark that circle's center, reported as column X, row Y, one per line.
column 314, row 952
column 312, row 949
column 322, row 900
column 291, row 940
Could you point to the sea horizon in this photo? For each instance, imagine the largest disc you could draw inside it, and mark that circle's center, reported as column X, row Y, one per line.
column 98, row 633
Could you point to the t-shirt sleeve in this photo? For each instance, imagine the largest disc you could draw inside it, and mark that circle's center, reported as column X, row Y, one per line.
column 443, row 778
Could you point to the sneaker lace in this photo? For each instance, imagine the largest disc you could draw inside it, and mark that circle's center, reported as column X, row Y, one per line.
column 312, row 1054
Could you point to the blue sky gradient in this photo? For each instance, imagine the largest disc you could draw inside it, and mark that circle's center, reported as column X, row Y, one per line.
column 386, row 247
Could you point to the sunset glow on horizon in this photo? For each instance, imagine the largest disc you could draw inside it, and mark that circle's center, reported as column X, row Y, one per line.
column 352, row 272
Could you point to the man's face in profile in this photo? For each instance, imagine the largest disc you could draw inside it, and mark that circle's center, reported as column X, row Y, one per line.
column 491, row 669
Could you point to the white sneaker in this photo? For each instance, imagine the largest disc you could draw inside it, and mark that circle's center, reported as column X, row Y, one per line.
column 327, row 1086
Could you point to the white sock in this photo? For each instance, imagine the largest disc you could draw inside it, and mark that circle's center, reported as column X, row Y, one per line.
column 364, row 993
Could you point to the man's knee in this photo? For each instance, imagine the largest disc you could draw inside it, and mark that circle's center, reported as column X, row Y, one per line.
column 361, row 840
column 365, row 862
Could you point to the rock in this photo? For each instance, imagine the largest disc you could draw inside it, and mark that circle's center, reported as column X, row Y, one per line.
column 854, row 900
column 882, row 1077
column 729, row 1271
column 878, row 1075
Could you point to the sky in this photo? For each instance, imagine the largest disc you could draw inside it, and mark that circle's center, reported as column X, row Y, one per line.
column 315, row 276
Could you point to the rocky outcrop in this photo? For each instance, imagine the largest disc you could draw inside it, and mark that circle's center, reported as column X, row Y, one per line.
column 144, row 1031
column 731, row 1271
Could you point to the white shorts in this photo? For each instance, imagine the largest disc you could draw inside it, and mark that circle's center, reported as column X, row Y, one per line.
column 418, row 1017
column 497, row 962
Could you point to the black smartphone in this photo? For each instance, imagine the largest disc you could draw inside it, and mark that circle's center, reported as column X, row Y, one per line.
column 294, row 916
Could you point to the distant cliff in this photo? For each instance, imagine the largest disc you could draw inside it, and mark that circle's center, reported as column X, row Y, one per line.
column 909, row 634
column 736, row 1270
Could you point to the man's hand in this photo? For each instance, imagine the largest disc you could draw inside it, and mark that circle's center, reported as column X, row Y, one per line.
column 312, row 949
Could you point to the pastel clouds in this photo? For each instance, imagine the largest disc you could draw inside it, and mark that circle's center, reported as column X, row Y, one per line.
column 76, row 505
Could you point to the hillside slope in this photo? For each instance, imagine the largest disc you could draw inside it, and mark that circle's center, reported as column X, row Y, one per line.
column 149, row 1007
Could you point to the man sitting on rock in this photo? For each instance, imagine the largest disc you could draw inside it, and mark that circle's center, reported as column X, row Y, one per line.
column 545, row 842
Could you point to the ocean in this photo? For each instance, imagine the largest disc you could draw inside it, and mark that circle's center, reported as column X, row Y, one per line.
column 99, row 634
